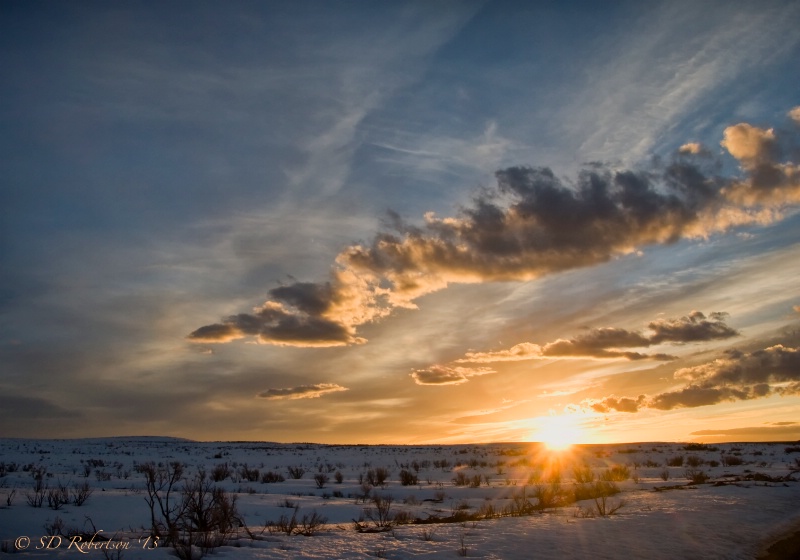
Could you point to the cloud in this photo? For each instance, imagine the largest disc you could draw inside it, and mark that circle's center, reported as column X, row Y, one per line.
column 446, row 375
column 607, row 342
column 734, row 377
column 794, row 114
column 621, row 404
column 779, row 430
column 693, row 148
column 530, row 224
column 302, row 392
column 767, row 181
column 693, row 328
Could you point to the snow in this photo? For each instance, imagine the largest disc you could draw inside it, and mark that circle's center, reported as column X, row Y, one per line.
column 740, row 510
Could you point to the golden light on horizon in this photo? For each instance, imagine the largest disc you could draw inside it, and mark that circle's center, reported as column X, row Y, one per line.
column 559, row 433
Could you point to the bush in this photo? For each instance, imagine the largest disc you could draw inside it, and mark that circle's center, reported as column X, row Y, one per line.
column 208, row 516
column 616, row 473
column 81, row 493
column 321, row 479
column 676, row 461
column 696, row 476
column 731, row 460
column 694, row 461
column 595, row 490
column 270, row 477
column 377, row 476
column 220, row 472
column 461, row 479
column 57, row 497
column 380, row 515
column 296, row 472
column 248, row 474
column 583, row 474
column 408, row 478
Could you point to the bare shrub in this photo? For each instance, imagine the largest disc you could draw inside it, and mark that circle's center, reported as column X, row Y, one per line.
column 408, row 478
column 338, row 477
column 165, row 508
column 520, row 503
column 693, row 461
column 616, row 473
column 664, row 474
column 80, row 493
column 36, row 496
column 676, row 461
column 605, row 507
column 285, row 524
column 696, row 476
column 377, row 476
column 270, row 477
column 311, row 524
column 462, row 549
column 427, row 534
column 248, row 474
column 296, row 472
column 582, row 473
column 594, row 490
column 220, row 472
column 549, row 496
column 380, row 515
column 10, row 497
column 461, row 479
column 321, row 479
column 730, row 460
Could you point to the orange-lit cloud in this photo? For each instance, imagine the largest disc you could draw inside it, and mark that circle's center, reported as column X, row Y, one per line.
column 529, row 225
column 447, row 375
column 768, row 181
column 609, row 342
column 736, row 376
column 693, row 148
column 302, row 392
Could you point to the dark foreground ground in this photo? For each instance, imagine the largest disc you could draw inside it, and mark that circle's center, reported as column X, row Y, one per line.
column 787, row 548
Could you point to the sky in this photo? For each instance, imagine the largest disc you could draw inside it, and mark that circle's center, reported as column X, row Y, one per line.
column 400, row 222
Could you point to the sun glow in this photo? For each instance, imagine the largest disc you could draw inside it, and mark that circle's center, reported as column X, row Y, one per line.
column 559, row 432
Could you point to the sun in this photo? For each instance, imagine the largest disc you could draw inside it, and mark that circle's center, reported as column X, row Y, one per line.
column 559, row 432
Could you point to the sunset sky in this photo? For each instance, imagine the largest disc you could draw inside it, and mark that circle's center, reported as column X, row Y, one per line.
column 400, row 222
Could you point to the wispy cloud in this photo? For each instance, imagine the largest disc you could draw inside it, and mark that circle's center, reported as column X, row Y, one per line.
column 302, row 392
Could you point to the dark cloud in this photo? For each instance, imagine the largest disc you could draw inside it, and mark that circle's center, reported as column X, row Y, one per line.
column 275, row 324
column 608, row 342
column 446, row 375
column 694, row 328
column 693, row 396
column 622, row 404
column 302, row 392
column 734, row 377
column 530, row 224
column 18, row 406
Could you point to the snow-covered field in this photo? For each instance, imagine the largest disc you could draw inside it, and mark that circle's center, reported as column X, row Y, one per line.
column 490, row 500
